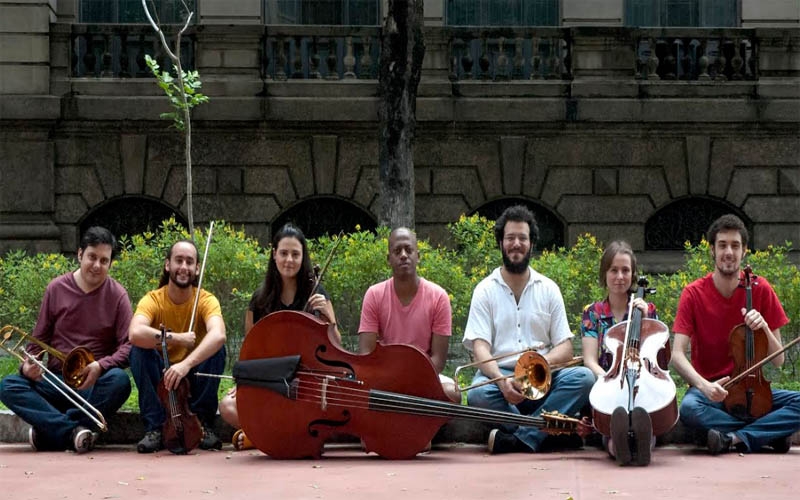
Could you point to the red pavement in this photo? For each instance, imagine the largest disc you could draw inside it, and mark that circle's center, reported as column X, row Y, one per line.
column 345, row 473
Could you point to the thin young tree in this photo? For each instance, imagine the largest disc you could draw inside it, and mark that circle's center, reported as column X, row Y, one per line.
column 183, row 95
column 402, row 51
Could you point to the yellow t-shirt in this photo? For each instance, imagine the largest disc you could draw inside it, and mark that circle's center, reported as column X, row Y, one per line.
column 159, row 309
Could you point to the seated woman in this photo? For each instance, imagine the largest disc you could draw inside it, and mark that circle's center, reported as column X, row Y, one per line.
column 287, row 286
column 618, row 275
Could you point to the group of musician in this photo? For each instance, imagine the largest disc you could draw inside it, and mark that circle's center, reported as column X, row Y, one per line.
column 513, row 308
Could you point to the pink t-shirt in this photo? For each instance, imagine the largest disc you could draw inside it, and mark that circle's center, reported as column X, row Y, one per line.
column 707, row 318
column 428, row 313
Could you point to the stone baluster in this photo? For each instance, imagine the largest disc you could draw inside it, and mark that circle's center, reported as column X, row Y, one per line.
column 297, row 58
column 365, row 62
column 536, row 58
column 349, row 59
column 141, row 62
column 313, row 60
column 124, row 58
column 107, row 70
column 89, row 59
column 265, row 58
column 566, row 60
column 686, row 59
column 501, row 63
column 466, row 60
column 737, row 62
column 721, row 62
column 554, row 59
column 483, row 61
column 519, row 59
column 280, row 59
column 702, row 61
column 652, row 62
column 332, row 60
column 671, row 60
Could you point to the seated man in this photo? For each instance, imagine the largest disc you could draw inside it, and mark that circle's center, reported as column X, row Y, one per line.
column 512, row 309
column 709, row 308
column 82, row 308
column 202, row 350
column 408, row 309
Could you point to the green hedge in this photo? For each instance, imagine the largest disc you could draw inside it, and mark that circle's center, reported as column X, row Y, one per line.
column 237, row 263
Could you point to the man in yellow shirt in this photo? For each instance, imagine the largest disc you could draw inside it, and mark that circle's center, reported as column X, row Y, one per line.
column 201, row 350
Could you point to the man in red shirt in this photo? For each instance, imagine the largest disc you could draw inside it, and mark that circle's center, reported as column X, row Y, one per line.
column 708, row 310
column 81, row 308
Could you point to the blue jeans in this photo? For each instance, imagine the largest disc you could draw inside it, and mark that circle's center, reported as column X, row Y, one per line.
column 147, row 367
column 52, row 415
column 569, row 392
column 784, row 419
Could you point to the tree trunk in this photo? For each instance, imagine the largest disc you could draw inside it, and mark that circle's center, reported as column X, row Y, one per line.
column 402, row 51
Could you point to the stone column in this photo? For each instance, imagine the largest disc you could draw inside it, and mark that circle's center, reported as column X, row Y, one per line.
column 770, row 13
column 592, row 12
column 27, row 158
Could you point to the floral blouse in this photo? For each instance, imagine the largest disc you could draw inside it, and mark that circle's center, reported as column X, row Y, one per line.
column 598, row 319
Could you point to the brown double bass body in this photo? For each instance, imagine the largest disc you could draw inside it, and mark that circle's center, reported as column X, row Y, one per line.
column 638, row 375
column 391, row 398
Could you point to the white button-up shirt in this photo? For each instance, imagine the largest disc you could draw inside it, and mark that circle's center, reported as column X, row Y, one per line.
column 539, row 320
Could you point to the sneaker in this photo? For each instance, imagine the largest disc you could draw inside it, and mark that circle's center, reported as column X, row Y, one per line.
column 781, row 445
column 210, row 440
column 503, row 442
column 642, row 429
column 82, row 439
column 718, row 442
column 619, row 435
column 150, row 442
column 32, row 439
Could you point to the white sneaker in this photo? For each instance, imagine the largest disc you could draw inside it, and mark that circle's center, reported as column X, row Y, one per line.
column 32, row 438
column 82, row 439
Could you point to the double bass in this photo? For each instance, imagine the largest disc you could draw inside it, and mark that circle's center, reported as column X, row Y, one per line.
column 296, row 387
column 638, row 375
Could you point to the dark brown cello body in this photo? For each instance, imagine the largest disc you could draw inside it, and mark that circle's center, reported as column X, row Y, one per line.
column 637, row 376
column 751, row 397
column 391, row 398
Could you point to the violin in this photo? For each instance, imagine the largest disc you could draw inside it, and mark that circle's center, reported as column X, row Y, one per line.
column 751, row 397
column 637, row 376
column 182, row 431
column 391, row 397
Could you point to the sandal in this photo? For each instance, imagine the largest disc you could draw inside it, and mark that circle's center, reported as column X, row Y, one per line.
column 241, row 442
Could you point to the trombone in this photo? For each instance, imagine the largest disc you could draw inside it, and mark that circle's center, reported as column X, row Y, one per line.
column 532, row 371
column 73, row 364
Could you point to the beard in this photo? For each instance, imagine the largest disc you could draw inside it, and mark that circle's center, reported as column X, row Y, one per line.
column 173, row 277
column 516, row 267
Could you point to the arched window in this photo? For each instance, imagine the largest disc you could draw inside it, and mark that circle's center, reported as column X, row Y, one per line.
column 325, row 215
column 686, row 219
column 551, row 228
column 130, row 215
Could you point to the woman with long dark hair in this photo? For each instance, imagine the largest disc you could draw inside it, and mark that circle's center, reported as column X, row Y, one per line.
column 287, row 286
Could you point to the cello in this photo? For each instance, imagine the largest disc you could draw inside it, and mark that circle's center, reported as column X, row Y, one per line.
column 749, row 396
column 391, row 397
column 636, row 376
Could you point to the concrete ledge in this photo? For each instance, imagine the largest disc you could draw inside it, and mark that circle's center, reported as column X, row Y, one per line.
column 126, row 428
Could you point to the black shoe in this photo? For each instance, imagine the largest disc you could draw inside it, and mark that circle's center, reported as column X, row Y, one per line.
column 718, row 442
column 619, row 435
column 503, row 442
column 210, row 440
column 150, row 442
column 781, row 445
column 82, row 439
column 642, row 429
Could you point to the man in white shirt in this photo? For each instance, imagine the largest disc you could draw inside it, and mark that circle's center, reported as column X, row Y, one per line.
column 512, row 309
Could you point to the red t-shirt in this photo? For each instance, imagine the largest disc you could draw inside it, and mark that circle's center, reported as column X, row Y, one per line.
column 707, row 318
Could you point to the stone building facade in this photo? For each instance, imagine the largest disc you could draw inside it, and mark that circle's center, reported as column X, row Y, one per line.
column 644, row 134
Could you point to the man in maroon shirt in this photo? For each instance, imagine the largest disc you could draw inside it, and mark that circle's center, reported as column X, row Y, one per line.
column 81, row 308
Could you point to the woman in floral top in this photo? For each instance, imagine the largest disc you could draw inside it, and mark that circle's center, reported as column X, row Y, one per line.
column 617, row 274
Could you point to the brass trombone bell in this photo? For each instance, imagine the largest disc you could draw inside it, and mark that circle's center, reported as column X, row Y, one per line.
column 13, row 340
column 532, row 372
column 72, row 364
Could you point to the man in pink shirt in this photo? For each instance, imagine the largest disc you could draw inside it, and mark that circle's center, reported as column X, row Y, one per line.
column 408, row 309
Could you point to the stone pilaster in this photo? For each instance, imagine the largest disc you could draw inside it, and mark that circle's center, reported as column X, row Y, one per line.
column 25, row 46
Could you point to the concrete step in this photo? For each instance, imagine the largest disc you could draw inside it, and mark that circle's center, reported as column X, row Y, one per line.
column 126, row 428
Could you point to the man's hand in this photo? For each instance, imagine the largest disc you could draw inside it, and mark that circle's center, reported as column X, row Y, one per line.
column 511, row 390
column 175, row 374
column 31, row 370
column 91, row 373
column 754, row 320
column 186, row 339
column 714, row 390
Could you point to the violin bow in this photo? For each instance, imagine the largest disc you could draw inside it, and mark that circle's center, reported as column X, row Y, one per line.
column 200, row 279
column 328, row 260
